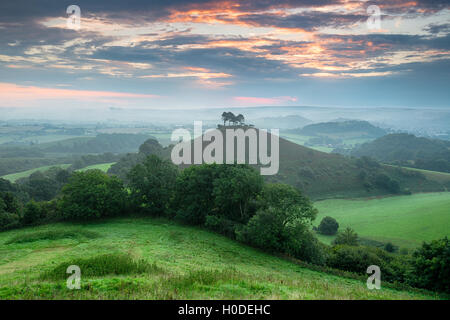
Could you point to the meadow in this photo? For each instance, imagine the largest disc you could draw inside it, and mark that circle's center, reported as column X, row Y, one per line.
column 159, row 259
column 405, row 220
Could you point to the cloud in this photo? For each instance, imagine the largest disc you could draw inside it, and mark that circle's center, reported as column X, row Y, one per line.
column 264, row 101
column 16, row 95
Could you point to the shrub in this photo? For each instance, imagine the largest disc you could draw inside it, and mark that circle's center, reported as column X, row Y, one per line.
column 222, row 225
column 347, row 237
column 328, row 226
column 92, row 194
column 389, row 247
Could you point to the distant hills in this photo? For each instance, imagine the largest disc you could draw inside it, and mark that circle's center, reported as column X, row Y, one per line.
column 342, row 129
column 286, row 122
column 408, row 150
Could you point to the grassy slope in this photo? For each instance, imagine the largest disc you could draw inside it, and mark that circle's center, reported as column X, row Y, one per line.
column 406, row 221
column 15, row 176
column 102, row 166
column 195, row 265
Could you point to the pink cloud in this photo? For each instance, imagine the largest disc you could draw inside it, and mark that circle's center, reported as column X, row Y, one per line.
column 264, row 101
column 16, row 95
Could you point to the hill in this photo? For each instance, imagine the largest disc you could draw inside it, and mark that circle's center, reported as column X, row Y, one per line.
column 342, row 129
column 175, row 262
column 319, row 175
column 405, row 221
column 409, row 150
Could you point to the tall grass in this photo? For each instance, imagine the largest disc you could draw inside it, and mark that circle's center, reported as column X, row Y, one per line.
column 53, row 235
column 101, row 265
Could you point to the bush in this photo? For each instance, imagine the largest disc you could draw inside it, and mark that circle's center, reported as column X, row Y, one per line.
column 389, row 247
column 92, row 194
column 354, row 259
column 222, row 225
column 328, row 226
column 430, row 266
column 347, row 237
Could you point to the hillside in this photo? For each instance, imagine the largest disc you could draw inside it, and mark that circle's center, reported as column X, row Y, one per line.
column 405, row 221
column 407, row 149
column 176, row 262
column 342, row 129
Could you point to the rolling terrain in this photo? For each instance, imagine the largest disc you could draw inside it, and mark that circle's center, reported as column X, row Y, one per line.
column 175, row 262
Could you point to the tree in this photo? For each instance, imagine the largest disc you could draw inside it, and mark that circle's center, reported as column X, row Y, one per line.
column 152, row 184
column 9, row 211
column 328, row 226
column 221, row 190
column 92, row 194
column 32, row 213
column 347, row 237
column 282, row 224
column 430, row 266
column 234, row 189
column 240, row 118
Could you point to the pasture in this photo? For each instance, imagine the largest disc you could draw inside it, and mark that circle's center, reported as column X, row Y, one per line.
column 406, row 221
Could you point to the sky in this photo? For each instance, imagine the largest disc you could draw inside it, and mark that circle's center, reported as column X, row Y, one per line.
column 181, row 54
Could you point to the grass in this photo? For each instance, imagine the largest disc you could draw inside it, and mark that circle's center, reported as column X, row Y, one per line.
column 102, row 166
column 144, row 258
column 52, row 235
column 405, row 221
column 13, row 177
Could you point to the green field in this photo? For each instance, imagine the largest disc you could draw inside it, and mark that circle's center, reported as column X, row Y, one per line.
column 406, row 221
column 188, row 263
column 102, row 166
column 13, row 177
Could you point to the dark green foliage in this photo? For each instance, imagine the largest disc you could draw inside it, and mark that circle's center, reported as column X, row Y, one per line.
column 328, row 226
column 354, row 259
column 152, row 184
column 402, row 148
column 385, row 182
column 9, row 211
column 117, row 264
column 92, row 194
column 32, row 213
column 346, row 237
column 389, row 247
column 53, row 235
column 222, row 190
column 282, row 224
column 430, row 266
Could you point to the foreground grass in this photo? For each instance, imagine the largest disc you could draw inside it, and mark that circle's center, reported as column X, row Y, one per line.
column 406, row 221
column 138, row 258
